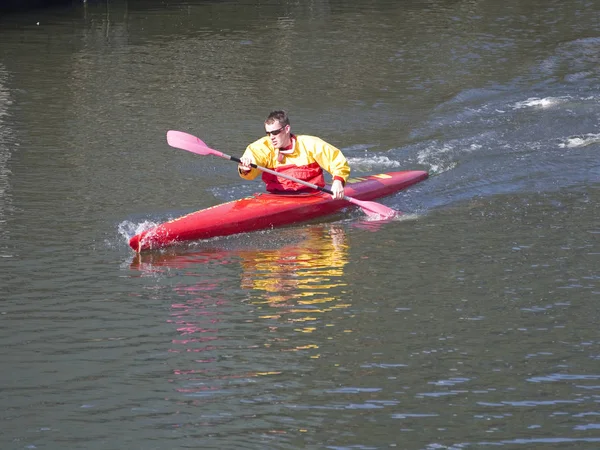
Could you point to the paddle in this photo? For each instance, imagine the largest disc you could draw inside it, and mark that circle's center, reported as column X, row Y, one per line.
column 185, row 141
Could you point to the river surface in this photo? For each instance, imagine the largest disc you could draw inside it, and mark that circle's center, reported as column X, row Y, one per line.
column 469, row 322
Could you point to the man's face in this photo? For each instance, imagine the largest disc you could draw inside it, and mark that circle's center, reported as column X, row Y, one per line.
column 279, row 135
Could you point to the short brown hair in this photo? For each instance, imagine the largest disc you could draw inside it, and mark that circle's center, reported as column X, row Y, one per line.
column 278, row 116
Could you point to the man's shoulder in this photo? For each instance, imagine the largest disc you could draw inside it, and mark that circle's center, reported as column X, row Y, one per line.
column 308, row 139
column 262, row 142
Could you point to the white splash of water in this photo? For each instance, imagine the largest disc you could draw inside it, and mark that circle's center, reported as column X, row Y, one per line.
column 434, row 155
column 580, row 141
column 128, row 229
column 536, row 102
column 373, row 163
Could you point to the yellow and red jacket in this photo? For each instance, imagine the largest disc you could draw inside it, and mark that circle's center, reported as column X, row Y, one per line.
column 309, row 157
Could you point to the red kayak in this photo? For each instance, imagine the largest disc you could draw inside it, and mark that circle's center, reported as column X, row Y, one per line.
column 269, row 210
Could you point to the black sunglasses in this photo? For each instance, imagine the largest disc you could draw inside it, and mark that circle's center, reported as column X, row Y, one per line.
column 275, row 132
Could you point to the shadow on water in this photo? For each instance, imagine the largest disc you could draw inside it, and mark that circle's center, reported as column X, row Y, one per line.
column 19, row 6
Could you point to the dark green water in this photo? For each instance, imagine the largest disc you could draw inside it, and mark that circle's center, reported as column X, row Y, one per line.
column 469, row 323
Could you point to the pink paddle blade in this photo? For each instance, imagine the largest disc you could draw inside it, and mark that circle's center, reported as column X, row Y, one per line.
column 374, row 210
column 185, row 141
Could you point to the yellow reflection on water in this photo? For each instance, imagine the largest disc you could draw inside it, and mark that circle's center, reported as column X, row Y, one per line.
column 294, row 288
column 302, row 273
column 299, row 284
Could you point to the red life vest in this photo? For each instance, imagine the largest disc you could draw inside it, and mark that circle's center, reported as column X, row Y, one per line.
column 311, row 173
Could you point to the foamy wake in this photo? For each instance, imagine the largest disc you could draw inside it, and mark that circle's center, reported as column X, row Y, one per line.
column 373, row 163
column 580, row 141
column 440, row 158
column 535, row 102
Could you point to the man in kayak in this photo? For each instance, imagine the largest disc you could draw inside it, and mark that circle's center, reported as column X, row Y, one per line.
column 303, row 157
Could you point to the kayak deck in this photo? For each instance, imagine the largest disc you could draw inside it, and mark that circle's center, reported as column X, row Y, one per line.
column 267, row 210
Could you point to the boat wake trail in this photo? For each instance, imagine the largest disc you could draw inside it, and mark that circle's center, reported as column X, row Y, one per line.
column 538, row 136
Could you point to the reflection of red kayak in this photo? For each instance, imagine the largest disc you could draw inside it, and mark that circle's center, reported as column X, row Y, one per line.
column 268, row 210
